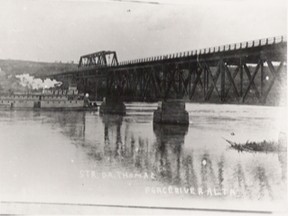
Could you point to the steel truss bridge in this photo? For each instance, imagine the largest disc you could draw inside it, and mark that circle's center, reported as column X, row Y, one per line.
column 248, row 72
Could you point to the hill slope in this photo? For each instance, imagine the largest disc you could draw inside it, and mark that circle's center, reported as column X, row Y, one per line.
column 12, row 67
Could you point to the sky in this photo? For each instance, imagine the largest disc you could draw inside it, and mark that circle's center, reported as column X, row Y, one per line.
column 63, row 30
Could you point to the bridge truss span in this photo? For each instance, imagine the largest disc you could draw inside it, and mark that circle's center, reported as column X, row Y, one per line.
column 249, row 72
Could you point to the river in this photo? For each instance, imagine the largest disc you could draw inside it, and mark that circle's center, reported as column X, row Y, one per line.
column 82, row 157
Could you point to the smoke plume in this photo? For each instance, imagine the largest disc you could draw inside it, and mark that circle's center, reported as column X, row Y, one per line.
column 30, row 82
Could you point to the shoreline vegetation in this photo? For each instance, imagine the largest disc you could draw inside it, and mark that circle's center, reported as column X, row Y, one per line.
column 261, row 147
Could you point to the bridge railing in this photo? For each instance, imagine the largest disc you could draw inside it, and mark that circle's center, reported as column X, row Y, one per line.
column 210, row 50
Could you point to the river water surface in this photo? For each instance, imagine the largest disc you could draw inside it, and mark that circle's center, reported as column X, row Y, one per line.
column 82, row 157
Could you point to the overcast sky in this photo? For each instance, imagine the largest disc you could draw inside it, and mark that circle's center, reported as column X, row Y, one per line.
column 50, row 30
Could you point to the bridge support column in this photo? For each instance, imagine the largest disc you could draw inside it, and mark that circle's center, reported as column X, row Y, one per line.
column 171, row 112
column 110, row 106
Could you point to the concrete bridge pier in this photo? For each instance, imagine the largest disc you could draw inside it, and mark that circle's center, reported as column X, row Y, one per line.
column 112, row 106
column 171, row 112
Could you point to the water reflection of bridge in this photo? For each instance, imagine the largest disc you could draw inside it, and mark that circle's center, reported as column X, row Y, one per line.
column 166, row 156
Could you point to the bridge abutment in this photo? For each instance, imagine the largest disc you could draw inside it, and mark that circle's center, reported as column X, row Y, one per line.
column 171, row 112
column 112, row 106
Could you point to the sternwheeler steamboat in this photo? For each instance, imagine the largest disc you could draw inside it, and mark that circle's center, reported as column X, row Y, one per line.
column 53, row 99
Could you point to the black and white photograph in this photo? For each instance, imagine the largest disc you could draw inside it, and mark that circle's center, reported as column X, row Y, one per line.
column 143, row 107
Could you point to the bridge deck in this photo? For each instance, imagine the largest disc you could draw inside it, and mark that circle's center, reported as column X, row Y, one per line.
column 274, row 48
column 231, row 72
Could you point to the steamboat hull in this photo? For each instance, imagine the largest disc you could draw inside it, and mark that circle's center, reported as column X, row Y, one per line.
column 48, row 104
